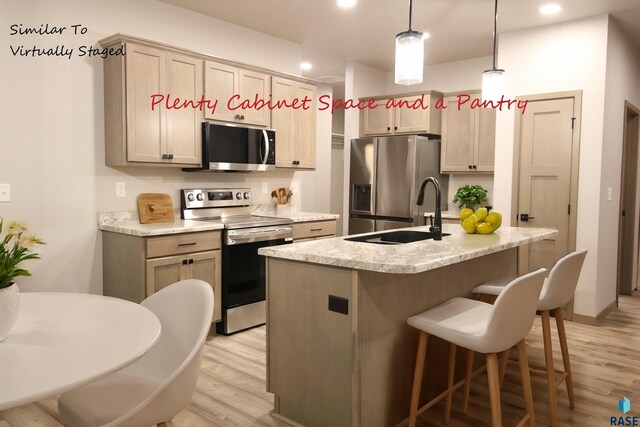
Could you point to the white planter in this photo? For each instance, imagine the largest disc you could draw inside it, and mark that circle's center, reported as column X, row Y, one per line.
column 9, row 307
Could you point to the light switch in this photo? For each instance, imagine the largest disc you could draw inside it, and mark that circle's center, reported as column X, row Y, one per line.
column 121, row 189
column 609, row 193
column 5, row 192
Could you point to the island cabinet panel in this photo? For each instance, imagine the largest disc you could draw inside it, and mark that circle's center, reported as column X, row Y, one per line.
column 311, row 352
column 327, row 368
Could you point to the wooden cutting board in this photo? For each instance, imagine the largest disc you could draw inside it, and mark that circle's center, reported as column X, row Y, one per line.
column 155, row 207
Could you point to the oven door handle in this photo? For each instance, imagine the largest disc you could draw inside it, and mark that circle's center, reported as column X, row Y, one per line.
column 265, row 138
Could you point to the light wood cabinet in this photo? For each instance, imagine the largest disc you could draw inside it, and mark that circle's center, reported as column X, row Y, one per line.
column 136, row 267
column 230, row 86
column 402, row 119
column 295, row 128
column 139, row 131
column 303, row 231
column 468, row 137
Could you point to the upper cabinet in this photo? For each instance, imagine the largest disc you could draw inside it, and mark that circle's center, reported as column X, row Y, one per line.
column 295, row 128
column 139, row 130
column 231, row 86
column 408, row 116
column 468, row 137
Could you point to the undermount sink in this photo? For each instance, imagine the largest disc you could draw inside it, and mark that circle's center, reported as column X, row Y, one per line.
column 395, row 237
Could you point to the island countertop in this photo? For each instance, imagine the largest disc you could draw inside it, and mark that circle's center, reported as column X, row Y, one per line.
column 408, row 258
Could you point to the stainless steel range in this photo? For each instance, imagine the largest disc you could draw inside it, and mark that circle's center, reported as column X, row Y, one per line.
column 243, row 270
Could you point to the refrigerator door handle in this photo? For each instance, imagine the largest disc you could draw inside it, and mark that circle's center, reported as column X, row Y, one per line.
column 374, row 179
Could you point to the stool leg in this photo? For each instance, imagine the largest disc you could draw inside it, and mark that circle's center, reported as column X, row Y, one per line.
column 503, row 365
column 450, row 375
column 417, row 378
column 565, row 356
column 526, row 382
column 551, row 373
column 494, row 389
column 467, row 380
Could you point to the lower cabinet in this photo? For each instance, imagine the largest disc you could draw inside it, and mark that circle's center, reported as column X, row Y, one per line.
column 136, row 267
column 304, row 231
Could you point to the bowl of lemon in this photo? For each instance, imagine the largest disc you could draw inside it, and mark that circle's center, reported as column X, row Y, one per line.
column 481, row 221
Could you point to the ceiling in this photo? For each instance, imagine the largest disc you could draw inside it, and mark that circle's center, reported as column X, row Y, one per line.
column 459, row 29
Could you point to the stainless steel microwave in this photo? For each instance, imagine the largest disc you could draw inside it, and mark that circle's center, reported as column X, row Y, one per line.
column 237, row 148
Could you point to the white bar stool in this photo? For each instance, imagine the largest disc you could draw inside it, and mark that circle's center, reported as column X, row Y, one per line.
column 558, row 289
column 484, row 328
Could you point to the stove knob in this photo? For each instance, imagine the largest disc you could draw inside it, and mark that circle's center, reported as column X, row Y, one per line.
column 239, row 195
column 200, row 197
column 246, row 195
column 191, row 197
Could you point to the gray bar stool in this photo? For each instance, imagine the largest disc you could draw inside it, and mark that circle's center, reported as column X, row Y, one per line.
column 557, row 291
column 484, row 328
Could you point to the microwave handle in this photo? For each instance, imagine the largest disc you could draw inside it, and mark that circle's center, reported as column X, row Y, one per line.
column 265, row 137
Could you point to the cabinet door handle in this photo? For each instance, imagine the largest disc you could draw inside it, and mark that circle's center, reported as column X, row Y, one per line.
column 184, row 262
column 470, row 167
column 187, row 244
column 165, row 156
column 170, row 156
column 237, row 117
column 475, row 167
column 388, row 128
column 395, row 128
column 191, row 261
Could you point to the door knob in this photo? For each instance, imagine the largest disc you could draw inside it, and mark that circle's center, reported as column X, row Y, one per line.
column 526, row 217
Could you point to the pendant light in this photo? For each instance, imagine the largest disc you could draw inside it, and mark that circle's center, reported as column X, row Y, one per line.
column 409, row 55
column 493, row 80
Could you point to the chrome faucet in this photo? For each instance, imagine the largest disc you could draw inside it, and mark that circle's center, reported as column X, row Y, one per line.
column 436, row 228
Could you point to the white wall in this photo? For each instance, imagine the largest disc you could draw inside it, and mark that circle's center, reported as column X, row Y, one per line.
column 563, row 57
column 622, row 84
column 52, row 126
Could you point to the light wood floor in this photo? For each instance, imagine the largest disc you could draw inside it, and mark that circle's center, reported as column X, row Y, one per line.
column 231, row 388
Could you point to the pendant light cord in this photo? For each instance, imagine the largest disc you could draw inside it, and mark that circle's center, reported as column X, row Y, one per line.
column 410, row 9
column 495, row 32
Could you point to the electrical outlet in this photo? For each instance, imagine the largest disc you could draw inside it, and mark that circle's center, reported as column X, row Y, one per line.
column 5, row 192
column 265, row 190
column 121, row 189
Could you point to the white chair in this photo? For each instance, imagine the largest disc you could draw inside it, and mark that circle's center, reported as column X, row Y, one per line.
column 160, row 384
column 557, row 291
column 485, row 328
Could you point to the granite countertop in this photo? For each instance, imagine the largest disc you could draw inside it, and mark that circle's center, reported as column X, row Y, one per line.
column 128, row 223
column 409, row 258
column 294, row 215
column 445, row 214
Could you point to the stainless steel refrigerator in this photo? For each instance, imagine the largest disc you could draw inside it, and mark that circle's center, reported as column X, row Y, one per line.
column 385, row 177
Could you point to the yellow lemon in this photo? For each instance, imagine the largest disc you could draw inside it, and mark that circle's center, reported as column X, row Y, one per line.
column 495, row 219
column 481, row 213
column 465, row 213
column 484, row 228
column 469, row 224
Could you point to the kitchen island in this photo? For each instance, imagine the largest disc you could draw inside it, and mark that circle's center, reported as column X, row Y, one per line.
column 339, row 350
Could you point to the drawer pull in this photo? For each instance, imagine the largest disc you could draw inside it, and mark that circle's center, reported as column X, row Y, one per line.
column 316, row 229
column 187, row 244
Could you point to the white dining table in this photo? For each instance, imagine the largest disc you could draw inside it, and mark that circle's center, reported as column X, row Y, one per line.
column 64, row 340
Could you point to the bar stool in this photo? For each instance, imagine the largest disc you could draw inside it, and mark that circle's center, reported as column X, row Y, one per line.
column 484, row 328
column 557, row 291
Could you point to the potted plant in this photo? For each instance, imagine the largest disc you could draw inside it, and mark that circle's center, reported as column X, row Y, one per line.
column 470, row 196
column 16, row 246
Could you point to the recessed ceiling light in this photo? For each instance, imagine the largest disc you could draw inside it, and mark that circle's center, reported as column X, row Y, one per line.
column 305, row 65
column 425, row 35
column 345, row 4
column 550, row 9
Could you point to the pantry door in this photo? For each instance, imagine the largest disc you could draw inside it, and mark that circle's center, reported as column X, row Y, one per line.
column 547, row 144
